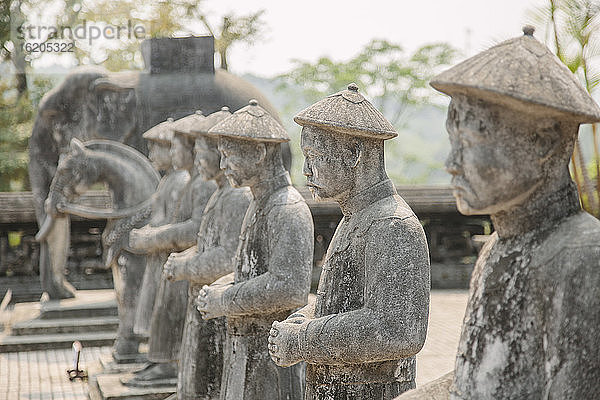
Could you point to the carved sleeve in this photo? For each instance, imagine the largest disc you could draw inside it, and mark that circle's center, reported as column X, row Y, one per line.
column 214, row 262
column 393, row 322
column 182, row 235
column 286, row 283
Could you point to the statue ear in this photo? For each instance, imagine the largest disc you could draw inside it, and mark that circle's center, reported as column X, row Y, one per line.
column 547, row 140
column 262, row 152
column 77, row 146
column 356, row 151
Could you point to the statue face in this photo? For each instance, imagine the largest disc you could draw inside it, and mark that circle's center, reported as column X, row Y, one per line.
column 239, row 160
column 181, row 153
column 207, row 158
column 160, row 155
column 328, row 163
column 496, row 161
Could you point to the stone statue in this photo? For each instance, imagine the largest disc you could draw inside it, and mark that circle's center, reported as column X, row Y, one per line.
column 201, row 358
column 132, row 180
column 534, row 301
column 360, row 337
column 166, row 328
column 164, row 207
column 273, row 262
column 93, row 103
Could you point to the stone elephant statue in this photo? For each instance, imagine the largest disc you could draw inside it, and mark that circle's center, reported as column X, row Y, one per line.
column 93, row 103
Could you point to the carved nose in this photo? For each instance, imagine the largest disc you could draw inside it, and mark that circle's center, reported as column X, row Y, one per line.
column 222, row 163
column 453, row 166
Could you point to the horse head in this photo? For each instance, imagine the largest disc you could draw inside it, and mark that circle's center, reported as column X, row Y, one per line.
column 73, row 177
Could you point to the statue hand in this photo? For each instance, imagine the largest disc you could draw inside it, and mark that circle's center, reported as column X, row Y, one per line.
column 209, row 303
column 283, row 342
column 174, row 269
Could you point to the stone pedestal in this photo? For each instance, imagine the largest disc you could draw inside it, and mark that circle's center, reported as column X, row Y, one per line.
column 106, row 382
column 109, row 387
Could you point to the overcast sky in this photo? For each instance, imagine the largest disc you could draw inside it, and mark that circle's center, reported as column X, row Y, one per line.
column 307, row 29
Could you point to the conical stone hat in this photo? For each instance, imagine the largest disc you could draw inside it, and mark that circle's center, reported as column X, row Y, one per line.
column 183, row 126
column 161, row 132
column 347, row 112
column 251, row 123
column 521, row 73
column 202, row 127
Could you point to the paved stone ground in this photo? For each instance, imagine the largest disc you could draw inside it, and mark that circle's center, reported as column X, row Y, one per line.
column 41, row 375
column 446, row 313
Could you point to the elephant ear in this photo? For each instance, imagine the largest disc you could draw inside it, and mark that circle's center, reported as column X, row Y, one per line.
column 77, row 147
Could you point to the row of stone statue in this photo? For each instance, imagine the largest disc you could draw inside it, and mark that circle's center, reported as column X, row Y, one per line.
column 230, row 314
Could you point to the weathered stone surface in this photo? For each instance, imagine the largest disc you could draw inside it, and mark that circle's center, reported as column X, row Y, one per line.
column 164, row 207
column 109, row 387
column 132, row 180
column 92, row 103
column 347, row 112
column 369, row 320
column 201, row 357
column 272, row 265
column 257, row 125
column 167, row 322
column 521, row 72
column 534, row 296
column 172, row 55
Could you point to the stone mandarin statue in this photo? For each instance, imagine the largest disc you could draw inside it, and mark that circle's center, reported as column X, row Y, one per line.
column 166, row 328
column 534, row 301
column 370, row 317
column 273, row 262
column 201, row 358
column 167, row 197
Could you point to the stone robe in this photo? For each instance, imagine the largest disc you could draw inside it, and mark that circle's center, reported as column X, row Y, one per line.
column 370, row 314
column 171, row 302
column 531, row 323
column 169, row 193
column 272, row 278
column 201, row 356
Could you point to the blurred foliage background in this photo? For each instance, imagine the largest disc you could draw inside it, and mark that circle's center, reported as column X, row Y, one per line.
column 571, row 28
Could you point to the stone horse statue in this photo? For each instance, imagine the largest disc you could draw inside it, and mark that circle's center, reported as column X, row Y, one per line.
column 132, row 181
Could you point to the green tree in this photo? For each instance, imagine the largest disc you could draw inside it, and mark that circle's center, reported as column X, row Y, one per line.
column 12, row 48
column 164, row 19
column 572, row 30
column 394, row 81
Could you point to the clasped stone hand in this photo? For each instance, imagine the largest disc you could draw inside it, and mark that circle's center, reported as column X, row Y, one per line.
column 209, row 303
column 174, row 268
column 284, row 346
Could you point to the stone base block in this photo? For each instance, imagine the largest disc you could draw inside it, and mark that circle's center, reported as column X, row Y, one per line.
column 109, row 387
column 108, row 365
